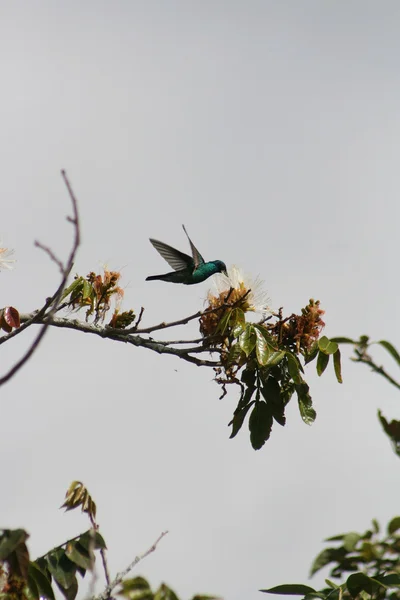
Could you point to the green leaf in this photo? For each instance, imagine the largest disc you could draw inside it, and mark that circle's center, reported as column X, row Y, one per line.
column 290, row 589
column 234, row 354
column 136, row 588
column 18, row 561
column 260, row 425
column 343, row 340
column 327, row 346
column 99, row 541
column 61, row 568
column 70, row 592
column 80, row 556
column 351, row 540
column 237, row 321
column 332, row 585
column 77, row 283
column 165, row 593
column 90, row 541
column 293, row 367
column 262, row 349
column 271, row 392
column 31, row 589
column 10, row 539
column 336, row 538
column 392, row 430
column 337, row 366
column 312, row 353
column 307, row 411
column 391, row 580
column 275, row 358
column 249, row 376
column 237, row 330
column 135, row 584
column 322, row 362
column 393, row 526
column 224, row 322
column 358, row 582
column 42, row 582
column 369, row 552
column 391, row 349
column 238, row 419
column 87, row 289
column 375, row 525
column 247, row 340
column 323, row 559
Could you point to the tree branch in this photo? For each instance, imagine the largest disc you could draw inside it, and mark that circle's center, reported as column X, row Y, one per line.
column 121, row 336
column 120, row 576
column 366, row 359
column 186, row 320
column 55, row 299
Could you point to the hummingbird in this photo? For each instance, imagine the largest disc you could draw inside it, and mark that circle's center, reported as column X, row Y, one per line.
column 187, row 269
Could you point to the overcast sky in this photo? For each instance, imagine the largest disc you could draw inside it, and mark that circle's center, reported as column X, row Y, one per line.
column 272, row 130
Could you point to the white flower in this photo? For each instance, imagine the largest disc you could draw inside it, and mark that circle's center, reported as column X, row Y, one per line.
column 256, row 300
column 5, row 261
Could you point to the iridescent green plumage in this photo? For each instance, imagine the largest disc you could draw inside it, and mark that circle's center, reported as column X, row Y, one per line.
column 188, row 269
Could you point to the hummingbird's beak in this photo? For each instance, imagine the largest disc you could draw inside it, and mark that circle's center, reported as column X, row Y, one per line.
column 225, row 272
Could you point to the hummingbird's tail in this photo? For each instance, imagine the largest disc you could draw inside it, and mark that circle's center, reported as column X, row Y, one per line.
column 155, row 277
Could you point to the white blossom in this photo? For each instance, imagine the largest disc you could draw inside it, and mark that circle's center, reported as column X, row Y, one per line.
column 5, row 261
column 257, row 299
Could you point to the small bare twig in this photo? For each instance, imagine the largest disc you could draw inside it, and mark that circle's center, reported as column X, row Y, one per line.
column 366, row 359
column 139, row 318
column 55, row 299
column 102, row 552
column 186, row 320
column 50, row 252
column 120, row 576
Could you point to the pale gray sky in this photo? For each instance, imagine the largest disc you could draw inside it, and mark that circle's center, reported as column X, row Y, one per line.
column 272, row 130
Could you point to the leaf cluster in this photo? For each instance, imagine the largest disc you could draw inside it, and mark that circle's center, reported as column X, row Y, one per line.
column 372, row 560
column 139, row 588
column 32, row 580
column 95, row 292
column 78, row 495
column 266, row 361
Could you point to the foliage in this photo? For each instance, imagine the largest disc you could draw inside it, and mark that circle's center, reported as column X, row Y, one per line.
column 25, row 579
column 94, row 292
column 372, row 560
column 264, row 360
column 138, row 588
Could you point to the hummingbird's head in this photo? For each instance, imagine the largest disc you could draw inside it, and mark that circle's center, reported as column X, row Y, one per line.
column 221, row 267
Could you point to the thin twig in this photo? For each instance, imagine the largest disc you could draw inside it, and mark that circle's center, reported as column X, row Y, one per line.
column 120, row 576
column 139, row 318
column 50, row 252
column 186, row 320
column 102, row 552
column 367, row 360
column 54, row 301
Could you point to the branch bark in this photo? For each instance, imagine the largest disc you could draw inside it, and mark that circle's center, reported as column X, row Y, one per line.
column 55, row 299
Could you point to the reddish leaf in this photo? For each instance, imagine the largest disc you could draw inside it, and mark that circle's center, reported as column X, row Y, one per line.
column 11, row 316
column 3, row 324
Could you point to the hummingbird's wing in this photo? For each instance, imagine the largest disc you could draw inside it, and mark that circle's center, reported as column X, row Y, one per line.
column 197, row 257
column 176, row 259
